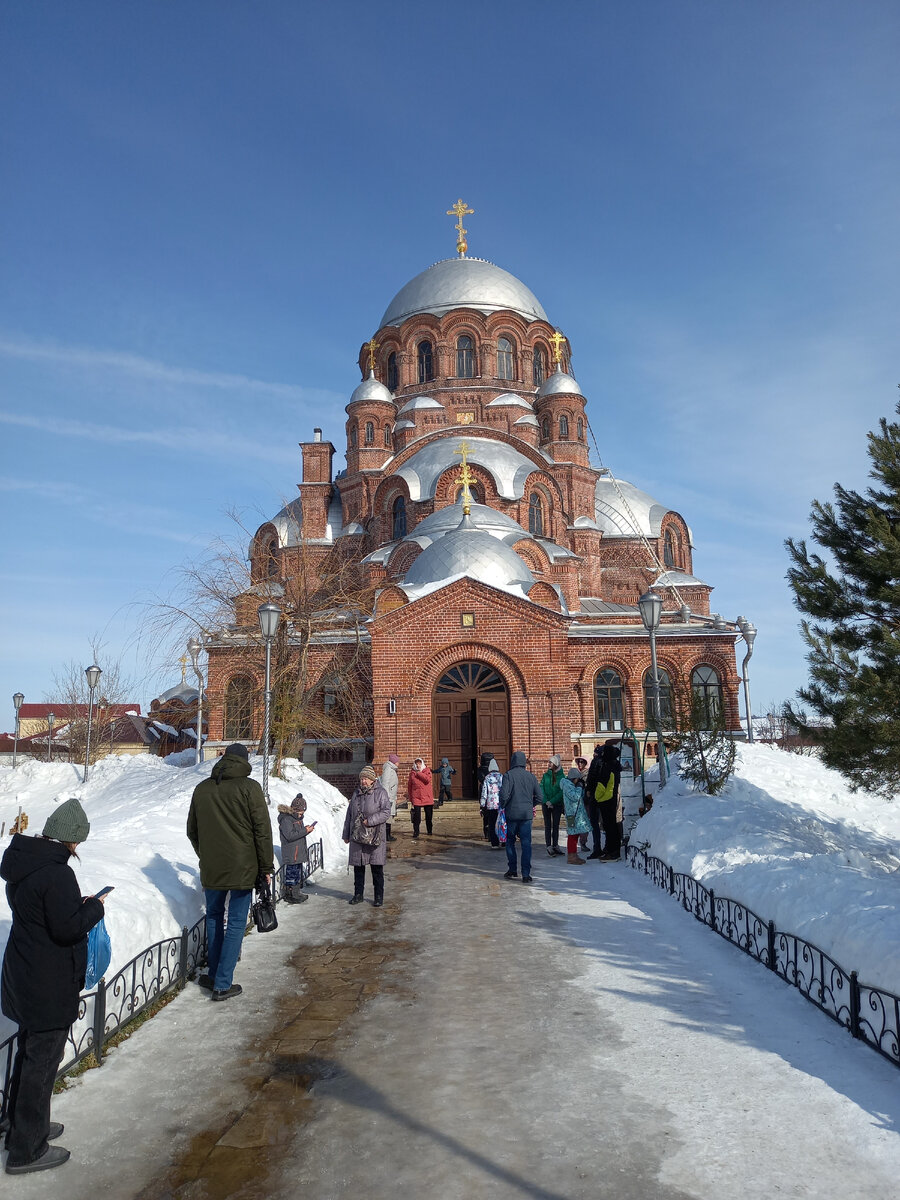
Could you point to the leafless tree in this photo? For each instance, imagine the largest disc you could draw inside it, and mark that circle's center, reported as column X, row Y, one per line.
column 70, row 699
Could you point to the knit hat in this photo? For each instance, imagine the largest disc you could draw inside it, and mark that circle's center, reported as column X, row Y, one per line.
column 394, row 758
column 368, row 773
column 298, row 804
column 236, row 750
column 492, row 766
column 574, row 774
column 68, row 823
column 554, row 760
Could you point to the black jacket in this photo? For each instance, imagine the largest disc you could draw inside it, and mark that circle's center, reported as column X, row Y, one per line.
column 46, row 955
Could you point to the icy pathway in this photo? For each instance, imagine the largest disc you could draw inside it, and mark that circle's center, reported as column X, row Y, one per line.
column 580, row 1038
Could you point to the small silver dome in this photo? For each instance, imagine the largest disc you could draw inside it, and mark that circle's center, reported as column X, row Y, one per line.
column 560, row 384
column 482, row 516
column 371, row 389
column 509, row 400
column 468, row 550
column 463, row 283
column 418, row 403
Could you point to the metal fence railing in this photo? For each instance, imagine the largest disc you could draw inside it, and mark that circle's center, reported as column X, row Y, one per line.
column 869, row 1013
column 160, row 968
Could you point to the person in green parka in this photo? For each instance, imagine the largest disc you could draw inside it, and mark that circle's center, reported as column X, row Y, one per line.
column 552, row 804
column 229, row 827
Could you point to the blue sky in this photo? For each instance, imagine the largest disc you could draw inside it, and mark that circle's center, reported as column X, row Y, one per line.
column 205, row 208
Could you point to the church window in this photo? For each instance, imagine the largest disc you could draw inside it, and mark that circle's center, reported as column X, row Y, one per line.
column 535, row 516
column 545, row 429
column 538, row 366
column 353, row 437
column 239, row 709
column 393, row 375
column 465, row 357
column 669, row 549
column 399, row 521
column 475, row 491
column 370, row 433
column 609, row 699
column 387, row 435
column 564, row 426
column 506, row 359
column 425, row 359
column 665, row 699
column 580, row 428
column 272, row 559
column 707, row 692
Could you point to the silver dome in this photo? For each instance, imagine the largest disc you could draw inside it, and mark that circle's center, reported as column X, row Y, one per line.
column 418, row 403
column 289, row 523
column 678, row 579
column 614, row 517
column 463, row 283
column 471, row 551
column 371, row 389
column 508, row 468
column 483, row 517
column 560, row 384
column 509, row 400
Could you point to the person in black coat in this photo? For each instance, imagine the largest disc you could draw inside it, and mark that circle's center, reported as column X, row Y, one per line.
column 590, row 795
column 43, row 973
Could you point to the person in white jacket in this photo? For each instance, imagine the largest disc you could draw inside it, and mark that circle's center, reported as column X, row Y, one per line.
column 389, row 783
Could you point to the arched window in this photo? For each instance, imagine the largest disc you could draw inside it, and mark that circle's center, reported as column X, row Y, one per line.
column 393, row 375
column 545, row 429
column 609, row 699
column 387, row 435
column 370, row 433
column 669, row 557
column 353, row 437
column 563, row 427
column 506, row 359
column 538, row 366
column 580, row 427
column 239, row 709
column 465, row 357
column 535, row 516
column 707, row 693
column 272, row 559
column 425, row 359
column 476, row 491
column 665, row 699
column 398, row 527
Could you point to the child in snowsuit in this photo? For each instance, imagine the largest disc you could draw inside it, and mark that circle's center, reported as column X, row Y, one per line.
column 294, row 852
column 446, row 772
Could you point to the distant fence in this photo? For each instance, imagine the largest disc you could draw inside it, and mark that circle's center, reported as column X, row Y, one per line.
column 163, row 967
column 871, row 1014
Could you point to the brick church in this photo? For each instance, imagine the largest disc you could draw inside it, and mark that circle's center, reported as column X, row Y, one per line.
column 501, row 568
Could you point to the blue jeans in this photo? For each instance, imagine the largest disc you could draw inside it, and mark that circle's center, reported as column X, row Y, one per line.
column 522, row 829
column 223, row 942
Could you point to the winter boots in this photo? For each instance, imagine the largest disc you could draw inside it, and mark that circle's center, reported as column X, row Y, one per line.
column 294, row 894
column 576, row 859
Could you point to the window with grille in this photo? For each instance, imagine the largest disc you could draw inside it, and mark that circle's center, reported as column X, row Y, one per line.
column 609, row 699
column 239, row 709
column 563, row 427
column 665, row 699
column 370, row 433
column 707, row 691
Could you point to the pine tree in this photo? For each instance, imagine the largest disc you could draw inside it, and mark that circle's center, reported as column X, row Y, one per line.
column 852, row 597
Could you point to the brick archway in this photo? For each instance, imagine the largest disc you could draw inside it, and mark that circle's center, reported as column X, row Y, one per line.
column 469, row 717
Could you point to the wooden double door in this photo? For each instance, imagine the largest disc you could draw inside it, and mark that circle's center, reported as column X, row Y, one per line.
column 470, row 717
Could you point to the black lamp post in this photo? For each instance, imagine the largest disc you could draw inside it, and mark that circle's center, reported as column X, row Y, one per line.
column 18, row 698
column 269, row 615
column 650, row 605
column 93, row 674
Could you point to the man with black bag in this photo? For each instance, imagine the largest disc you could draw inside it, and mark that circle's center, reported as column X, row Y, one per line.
column 228, row 826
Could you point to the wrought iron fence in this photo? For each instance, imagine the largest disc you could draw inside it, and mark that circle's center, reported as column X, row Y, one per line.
column 871, row 1014
column 163, row 967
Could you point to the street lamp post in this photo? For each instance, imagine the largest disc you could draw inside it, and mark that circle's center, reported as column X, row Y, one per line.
column 194, row 648
column 17, row 701
column 650, row 605
column 51, row 717
column 748, row 631
column 93, row 674
column 269, row 615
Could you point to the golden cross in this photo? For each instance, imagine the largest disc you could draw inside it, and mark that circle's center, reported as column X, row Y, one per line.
column 558, row 342
column 372, row 347
column 460, row 209
column 183, row 660
column 465, row 476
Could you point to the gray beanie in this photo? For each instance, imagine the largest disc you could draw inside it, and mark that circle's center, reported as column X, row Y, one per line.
column 237, row 750
column 68, row 823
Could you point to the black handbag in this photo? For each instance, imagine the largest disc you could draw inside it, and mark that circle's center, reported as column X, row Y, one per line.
column 263, row 910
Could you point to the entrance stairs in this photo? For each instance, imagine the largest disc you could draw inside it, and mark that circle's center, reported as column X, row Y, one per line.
column 455, row 818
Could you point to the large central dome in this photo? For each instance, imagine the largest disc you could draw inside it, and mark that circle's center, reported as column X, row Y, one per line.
column 463, row 283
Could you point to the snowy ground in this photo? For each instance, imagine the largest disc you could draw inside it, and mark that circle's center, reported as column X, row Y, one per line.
column 138, row 810
column 791, row 841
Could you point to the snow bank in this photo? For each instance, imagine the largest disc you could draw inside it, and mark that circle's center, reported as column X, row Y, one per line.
column 791, row 841
column 138, row 812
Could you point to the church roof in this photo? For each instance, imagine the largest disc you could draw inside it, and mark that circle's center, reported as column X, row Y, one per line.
column 371, row 389
column 463, row 283
column 620, row 506
column 482, row 516
column 468, row 550
column 508, row 467
column 560, row 383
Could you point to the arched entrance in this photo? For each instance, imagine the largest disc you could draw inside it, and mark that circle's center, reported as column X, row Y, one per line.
column 469, row 717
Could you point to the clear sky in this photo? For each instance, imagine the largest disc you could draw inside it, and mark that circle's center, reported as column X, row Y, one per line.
column 205, row 208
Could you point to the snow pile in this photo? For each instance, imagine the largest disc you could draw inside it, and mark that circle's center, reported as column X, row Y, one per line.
column 789, row 839
column 138, row 812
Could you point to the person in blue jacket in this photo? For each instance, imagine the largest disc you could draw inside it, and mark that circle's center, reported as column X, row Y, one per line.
column 446, row 772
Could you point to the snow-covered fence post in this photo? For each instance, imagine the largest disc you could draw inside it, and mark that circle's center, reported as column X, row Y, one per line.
column 770, row 952
column 854, row 1004
column 99, row 1020
column 183, row 955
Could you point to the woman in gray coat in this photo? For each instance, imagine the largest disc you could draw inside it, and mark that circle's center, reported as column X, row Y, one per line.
column 372, row 804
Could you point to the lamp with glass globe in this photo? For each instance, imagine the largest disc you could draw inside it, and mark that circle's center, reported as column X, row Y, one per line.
column 93, row 674
column 650, row 606
column 269, row 615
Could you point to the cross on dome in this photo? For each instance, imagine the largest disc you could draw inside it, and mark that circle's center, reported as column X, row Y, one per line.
column 460, row 209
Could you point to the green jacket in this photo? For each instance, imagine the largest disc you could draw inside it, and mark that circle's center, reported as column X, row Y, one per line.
column 551, row 786
column 229, row 827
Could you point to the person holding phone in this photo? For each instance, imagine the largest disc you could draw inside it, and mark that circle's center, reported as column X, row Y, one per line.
column 293, row 830
column 43, row 973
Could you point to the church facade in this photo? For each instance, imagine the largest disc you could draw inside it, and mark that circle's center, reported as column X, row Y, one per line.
column 495, row 568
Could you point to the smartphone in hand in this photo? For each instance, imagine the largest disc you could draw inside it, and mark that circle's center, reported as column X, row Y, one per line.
column 104, row 892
